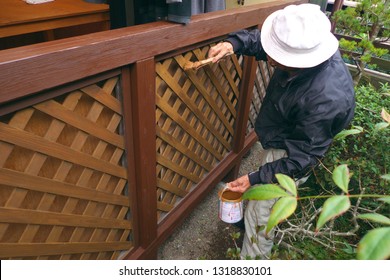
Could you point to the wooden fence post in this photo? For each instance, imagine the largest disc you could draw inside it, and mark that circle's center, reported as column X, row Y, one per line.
column 143, row 115
column 244, row 102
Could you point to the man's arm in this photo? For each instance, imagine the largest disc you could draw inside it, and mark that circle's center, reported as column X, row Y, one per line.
column 247, row 43
column 242, row 42
column 309, row 140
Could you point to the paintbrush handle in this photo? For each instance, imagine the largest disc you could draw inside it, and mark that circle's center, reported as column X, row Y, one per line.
column 198, row 64
column 203, row 62
column 210, row 60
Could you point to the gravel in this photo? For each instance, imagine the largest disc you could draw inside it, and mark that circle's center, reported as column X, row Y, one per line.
column 203, row 235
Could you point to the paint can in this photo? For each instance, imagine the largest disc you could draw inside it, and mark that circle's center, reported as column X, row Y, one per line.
column 230, row 206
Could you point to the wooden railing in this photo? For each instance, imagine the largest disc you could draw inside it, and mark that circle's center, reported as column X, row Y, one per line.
column 107, row 143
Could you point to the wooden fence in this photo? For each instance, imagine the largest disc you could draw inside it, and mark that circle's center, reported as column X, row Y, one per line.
column 107, row 144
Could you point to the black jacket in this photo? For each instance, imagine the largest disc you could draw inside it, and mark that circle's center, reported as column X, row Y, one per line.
column 300, row 115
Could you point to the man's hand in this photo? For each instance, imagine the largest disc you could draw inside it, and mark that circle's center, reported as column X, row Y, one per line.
column 220, row 50
column 239, row 185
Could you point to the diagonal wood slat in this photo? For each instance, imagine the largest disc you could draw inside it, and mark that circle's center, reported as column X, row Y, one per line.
column 54, row 109
column 64, row 178
column 263, row 74
column 200, row 87
column 183, row 96
column 28, row 141
column 35, row 183
column 216, row 82
column 183, row 149
column 196, row 112
column 58, row 248
column 194, row 132
column 23, row 216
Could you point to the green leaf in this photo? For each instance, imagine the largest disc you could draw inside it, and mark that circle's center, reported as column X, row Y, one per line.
column 349, row 249
column 375, row 245
column 287, row 183
column 333, row 206
column 385, row 199
column 341, row 177
column 259, row 228
column 386, row 177
column 348, row 132
column 374, row 217
column 281, row 210
column 381, row 126
column 264, row 192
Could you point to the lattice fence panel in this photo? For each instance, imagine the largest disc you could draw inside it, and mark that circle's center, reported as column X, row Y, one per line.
column 63, row 180
column 263, row 74
column 195, row 115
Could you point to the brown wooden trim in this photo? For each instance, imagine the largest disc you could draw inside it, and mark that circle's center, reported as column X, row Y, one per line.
column 188, row 48
column 6, row 108
column 41, row 249
column 26, row 216
column 244, row 102
column 51, row 64
column 33, row 142
column 243, row 106
column 143, row 112
column 24, row 28
column 128, row 133
column 137, row 253
column 35, row 183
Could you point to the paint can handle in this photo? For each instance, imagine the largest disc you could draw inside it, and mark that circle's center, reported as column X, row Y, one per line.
column 225, row 188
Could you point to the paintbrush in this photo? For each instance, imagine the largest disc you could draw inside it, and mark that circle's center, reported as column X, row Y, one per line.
column 198, row 64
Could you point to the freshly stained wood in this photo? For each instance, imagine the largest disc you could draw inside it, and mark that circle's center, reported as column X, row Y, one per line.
column 58, row 248
column 105, row 147
column 25, row 216
column 36, row 183
column 183, row 149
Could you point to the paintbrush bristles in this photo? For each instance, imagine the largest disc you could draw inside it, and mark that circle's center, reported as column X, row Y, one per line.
column 198, row 64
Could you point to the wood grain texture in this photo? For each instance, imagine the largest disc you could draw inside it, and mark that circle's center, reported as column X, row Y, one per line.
column 48, row 63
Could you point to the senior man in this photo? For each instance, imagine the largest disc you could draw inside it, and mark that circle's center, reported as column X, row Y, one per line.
column 310, row 98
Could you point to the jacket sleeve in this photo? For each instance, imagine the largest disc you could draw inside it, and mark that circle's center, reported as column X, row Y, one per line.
column 304, row 146
column 308, row 141
column 247, row 43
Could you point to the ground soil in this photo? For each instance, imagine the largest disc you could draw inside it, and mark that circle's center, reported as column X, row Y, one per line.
column 203, row 235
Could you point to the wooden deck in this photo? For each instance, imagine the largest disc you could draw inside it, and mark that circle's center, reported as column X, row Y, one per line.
column 107, row 143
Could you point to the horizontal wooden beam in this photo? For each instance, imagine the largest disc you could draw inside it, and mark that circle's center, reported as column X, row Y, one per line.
column 35, row 217
column 8, row 250
column 41, row 145
column 31, row 69
column 22, row 180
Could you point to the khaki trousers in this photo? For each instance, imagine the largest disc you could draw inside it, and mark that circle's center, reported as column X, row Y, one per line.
column 257, row 213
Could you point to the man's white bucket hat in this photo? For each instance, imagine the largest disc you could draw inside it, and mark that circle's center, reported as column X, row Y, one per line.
column 298, row 36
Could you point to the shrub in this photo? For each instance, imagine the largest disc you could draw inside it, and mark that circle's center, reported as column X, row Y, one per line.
column 339, row 209
column 367, row 153
column 366, row 25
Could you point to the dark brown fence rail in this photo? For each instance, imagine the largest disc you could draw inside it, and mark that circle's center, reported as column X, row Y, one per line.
column 107, row 143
